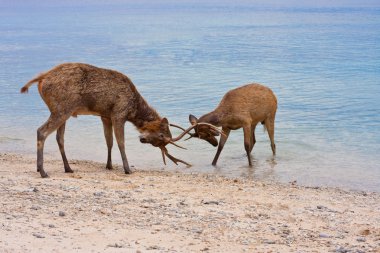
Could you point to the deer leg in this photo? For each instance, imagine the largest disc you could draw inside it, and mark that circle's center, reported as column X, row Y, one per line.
column 269, row 123
column 107, row 127
column 60, row 141
column 247, row 142
column 253, row 137
column 223, row 139
column 43, row 132
column 119, row 134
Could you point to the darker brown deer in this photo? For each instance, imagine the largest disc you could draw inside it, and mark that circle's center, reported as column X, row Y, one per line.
column 243, row 107
column 73, row 89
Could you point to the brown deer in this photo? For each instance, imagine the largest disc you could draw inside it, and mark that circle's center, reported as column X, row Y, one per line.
column 73, row 89
column 241, row 107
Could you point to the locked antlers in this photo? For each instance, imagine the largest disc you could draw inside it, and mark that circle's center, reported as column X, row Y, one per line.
column 172, row 141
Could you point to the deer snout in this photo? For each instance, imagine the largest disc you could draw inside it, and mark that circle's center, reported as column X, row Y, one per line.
column 143, row 139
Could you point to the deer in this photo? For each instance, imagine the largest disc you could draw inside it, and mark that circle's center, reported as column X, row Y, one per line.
column 243, row 107
column 72, row 89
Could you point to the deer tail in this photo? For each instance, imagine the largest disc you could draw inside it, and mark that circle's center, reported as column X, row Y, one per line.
column 28, row 84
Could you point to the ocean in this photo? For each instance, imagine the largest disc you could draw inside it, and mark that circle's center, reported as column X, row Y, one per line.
column 323, row 64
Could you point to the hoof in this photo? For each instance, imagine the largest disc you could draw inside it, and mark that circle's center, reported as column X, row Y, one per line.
column 44, row 174
column 69, row 170
column 128, row 171
column 109, row 167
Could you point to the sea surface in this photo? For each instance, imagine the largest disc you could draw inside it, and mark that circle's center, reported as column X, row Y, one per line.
column 323, row 63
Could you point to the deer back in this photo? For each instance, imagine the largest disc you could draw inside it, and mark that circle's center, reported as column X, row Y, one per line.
column 86, row 89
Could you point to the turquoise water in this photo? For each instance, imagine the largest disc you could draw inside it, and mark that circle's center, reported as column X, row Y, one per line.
column 323, row 63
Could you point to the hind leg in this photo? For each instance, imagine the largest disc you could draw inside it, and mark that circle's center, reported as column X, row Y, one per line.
column 107, row 127
column 61, row 145
column 247, row 142
column 253, row 137
column 269, row 123
column 54, row 122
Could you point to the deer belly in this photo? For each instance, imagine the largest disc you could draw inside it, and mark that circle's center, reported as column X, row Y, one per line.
column 84, row 112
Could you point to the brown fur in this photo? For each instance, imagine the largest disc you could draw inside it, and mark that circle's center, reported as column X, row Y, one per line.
column 243, row 107
column 73, row 89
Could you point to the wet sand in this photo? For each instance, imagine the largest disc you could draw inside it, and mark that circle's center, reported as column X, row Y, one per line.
column 97, row 210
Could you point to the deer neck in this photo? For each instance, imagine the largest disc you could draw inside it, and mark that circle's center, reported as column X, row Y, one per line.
column 213, row 118
column 144, row 114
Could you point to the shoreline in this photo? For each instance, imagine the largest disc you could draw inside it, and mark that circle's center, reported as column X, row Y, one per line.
column 97, row 210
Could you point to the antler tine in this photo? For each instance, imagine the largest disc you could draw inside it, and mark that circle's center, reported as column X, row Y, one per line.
column 183, row 134
column 172, row 158
column 176, row 145
column 173, row 125
column 163, row 156
column 191, row 136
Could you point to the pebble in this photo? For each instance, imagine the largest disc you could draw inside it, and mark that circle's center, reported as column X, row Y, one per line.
column 322, row 235
column 210, row 202
column 342, row 250
column 115, row 245
column 98, row 194
column 35, row 208
column 33, row 189
column 269, row 242
column 361, row 239
column 37, row 235
column 62, row 213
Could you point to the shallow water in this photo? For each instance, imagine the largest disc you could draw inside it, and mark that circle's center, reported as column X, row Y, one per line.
column 322, row 63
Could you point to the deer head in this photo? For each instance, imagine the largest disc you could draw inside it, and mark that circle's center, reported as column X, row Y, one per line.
column 204, row 131
column 158, row 134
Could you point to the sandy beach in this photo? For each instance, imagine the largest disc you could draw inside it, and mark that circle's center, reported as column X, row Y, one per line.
column 97, row 210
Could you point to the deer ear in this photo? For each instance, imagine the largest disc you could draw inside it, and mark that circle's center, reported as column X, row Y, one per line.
column 164, row 122
column 193, row 120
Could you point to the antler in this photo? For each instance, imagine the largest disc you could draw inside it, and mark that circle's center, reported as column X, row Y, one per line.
column 183, row 133
column 171, row 142
column 173, row 125
column 165, row 152
column 193, row 126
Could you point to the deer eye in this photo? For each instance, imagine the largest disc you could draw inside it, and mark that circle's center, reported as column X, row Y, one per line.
column 161, row 135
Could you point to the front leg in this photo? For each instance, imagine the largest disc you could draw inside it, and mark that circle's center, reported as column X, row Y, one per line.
column 223, row 139
column 119, row 134
column 247, row 142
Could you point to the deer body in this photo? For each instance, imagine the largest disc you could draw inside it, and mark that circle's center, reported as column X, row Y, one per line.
column 73, row 89
column 243, row 107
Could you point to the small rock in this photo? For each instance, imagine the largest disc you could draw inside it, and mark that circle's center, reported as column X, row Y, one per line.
column 62, row 213
column 210, row 202
column 269, row 242
column 341, row 250
column 33, row 189
column 37, row 235
column 35, row 208
column 153, row 247
column 98, row 194
column 361, row 239
column 365, row 232
column 51, row 226
column 115, row 245
column 322, row 235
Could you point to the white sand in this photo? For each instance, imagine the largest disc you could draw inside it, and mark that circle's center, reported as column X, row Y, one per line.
column 108, row 211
